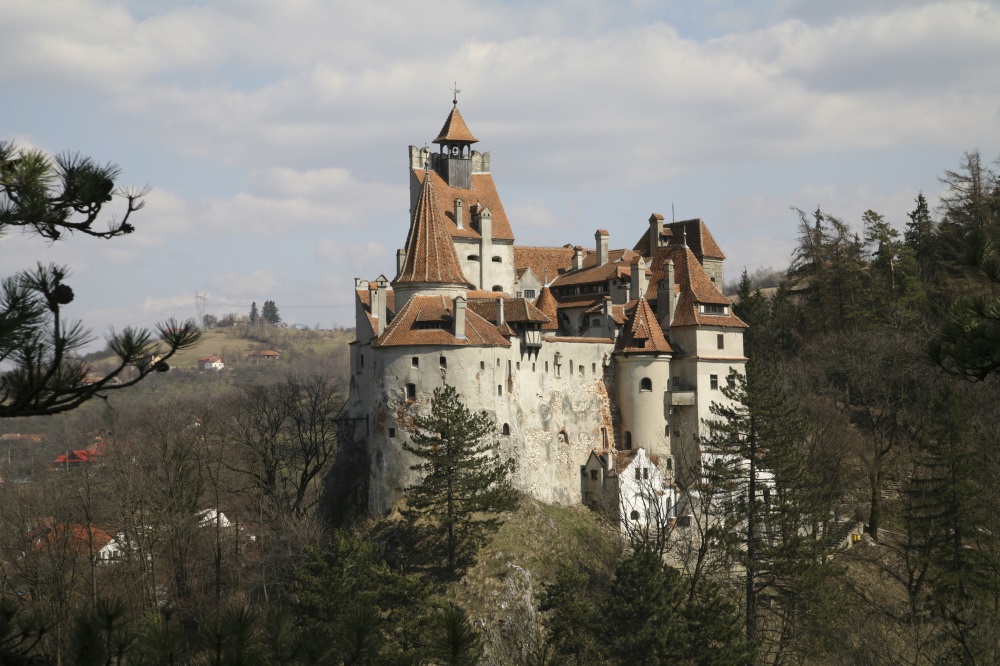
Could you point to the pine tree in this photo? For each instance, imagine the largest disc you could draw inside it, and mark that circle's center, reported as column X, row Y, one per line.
column 771, row 512
column 919, row 237
column 952, row 549
column 826, row 270
column 466, row 484
column 254, row 317
column 270, row 313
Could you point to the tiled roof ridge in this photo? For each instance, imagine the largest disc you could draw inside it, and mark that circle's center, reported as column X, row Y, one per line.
column 430, row 252
column 455, row 129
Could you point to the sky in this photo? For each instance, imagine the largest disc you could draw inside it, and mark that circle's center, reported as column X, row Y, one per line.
column 274, row 135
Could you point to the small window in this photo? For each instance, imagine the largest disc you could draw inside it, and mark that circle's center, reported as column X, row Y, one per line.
column 720, row 340
column 497, row 260
column 473, row 257
column 645, row 385
column 499, row 389
column 713, row 309
column 498, row 363
column 593, row 475
column 604, row 437
column 677, row 383
column 670, row 462
column 731, row 381
column 443, row 361
column 571, row 367
column 634, row 515
column 593, row 368
column 497, row 288
column 638, row 474
column 645, row 472
column 546, row 366
column 628, row 441
column 580, row 369
column 505, row 430
column 415, row 362
column 529, row 293
column 596, row 321
column 532, row 367
column 482, row 365
column 392, row 432
column 411, row 392
column 713, row 380
column 518, row 365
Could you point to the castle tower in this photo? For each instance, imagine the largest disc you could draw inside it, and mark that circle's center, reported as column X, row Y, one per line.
column 430, row 265
column 455, row 139
column 642, row 374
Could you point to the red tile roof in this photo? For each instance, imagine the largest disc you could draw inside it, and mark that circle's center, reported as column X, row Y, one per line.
column 546, row 263
column 364, row 295
column 455, row 129
column 483, row 191
column 516, row 310
column 699, row 238
column 405, row 329
column 693, row 286
column 430, row 252
column 642, row 332
column 547, row 305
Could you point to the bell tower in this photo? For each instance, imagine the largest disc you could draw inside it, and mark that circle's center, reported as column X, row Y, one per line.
column 454, row 163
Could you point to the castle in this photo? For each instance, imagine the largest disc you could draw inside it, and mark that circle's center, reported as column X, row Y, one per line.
column 596, row 363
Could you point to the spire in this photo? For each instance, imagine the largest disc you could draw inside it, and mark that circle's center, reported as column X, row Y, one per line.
column 547, row 304
column 455, row 130
column 430, row 253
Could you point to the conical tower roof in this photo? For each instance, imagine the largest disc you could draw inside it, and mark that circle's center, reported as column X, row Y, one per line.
column 642, row 332
column 455, row 129
column 547, row 304
column 430, row 253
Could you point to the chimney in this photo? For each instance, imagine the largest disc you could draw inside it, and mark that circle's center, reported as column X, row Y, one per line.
column 380, row 309
column 608, row 307
column 460, row 317
column 500, row 318
column 637, row 285
column 665, row 296
column 459, row 220
column 400, row 260
column 655, row 232
column 602, row 246
column 577, row 258
column 484, row 219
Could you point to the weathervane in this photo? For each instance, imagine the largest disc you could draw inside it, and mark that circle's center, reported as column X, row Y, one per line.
column 455, row 91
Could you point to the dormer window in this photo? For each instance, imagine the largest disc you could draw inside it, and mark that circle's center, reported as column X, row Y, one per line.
column 714, row 309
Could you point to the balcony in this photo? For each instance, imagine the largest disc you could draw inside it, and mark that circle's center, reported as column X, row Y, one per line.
column 531, row 338
column 679, row 398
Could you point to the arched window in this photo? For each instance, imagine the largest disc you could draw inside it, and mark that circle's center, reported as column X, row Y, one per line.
column 473, row 257
column 497, row 260
column 645, row 384
column 506, row 430
column 497, row 287
column 634, row 515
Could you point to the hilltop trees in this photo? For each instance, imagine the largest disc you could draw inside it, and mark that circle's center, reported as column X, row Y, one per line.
column 466, row 483
column 270, row 313
column 50, row 197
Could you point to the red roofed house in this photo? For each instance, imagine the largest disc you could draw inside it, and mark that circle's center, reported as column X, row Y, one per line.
column 211, row 363
column 573, row 350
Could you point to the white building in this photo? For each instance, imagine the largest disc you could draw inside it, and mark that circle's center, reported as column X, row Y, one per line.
column 573, row 351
